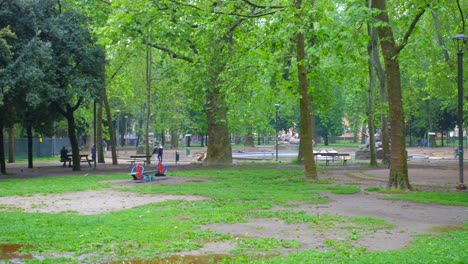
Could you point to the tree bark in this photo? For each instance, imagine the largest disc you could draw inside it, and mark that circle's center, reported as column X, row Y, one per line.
column 371, row 50
column 2, row 151
column 219, row 149
column 29, row 132
column 11, row 144
column 440, row 39
column 174, row 139
column 113, row 143
column 99, row 139
column 73, row 139
column 306, row 134
column 398, row 177
column 148, row 103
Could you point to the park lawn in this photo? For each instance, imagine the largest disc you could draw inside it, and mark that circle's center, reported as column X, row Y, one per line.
column 154, row 230
column 452, row 198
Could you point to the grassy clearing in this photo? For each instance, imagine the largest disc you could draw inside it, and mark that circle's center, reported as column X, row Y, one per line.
column 156, row 230
column 459, row 198
column 46, row 185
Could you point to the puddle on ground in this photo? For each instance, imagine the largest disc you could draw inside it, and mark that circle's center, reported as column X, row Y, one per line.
column 182, row 259
column 10, row 251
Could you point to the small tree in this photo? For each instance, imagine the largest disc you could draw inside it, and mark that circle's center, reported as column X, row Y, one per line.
column 77, row 74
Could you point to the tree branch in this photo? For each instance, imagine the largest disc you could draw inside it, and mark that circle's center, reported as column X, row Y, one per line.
column 77, row 105
column 411, row 29
column 171, row 53
column 187, row 5
column 262, row 6
column 244, row 15
column 462, row 16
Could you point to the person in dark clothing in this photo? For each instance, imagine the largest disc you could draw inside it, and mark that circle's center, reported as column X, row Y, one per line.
column 64, row 157
column 160, row 153
column 93, row 152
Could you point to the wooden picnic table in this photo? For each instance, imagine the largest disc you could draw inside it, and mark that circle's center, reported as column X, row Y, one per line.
column 83, row 158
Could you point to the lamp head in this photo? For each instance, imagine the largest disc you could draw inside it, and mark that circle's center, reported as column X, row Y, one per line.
column 461, row 40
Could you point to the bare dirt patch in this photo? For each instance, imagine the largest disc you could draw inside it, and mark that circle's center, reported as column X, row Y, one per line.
column 88, row 202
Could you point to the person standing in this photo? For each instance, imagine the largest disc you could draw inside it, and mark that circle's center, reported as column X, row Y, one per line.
column 160, row 153
column 93, row 152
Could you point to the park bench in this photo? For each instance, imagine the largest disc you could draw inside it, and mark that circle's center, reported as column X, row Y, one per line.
column 134, row 159
column 330, row 156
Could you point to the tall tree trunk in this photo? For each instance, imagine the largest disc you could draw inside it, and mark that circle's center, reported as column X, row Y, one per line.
column 363, row 134
column 29, row 132
column 249, row 138
column 99, row 139
column 148, row 103
column 73, row 139
column 306, row 133
column 383, row 99
column 2, row 151
column 440, row 39
column 113, row 142
column 219, row 149
column 11, row 144
column 174, row 139
column 370, row 105
column 398, row 177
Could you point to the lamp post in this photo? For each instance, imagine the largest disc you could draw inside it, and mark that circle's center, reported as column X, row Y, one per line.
column 117, row 128
column 460, row 40
column 125, row 135
column 277, row 109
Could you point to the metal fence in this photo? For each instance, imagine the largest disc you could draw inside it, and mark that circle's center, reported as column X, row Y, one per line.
column 47, row 147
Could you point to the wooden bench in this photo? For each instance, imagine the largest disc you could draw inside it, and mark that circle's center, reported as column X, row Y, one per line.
column 330, row 156
column 138, row 159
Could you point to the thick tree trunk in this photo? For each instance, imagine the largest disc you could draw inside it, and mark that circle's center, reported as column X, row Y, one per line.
column 380, row 72
column 363, row 134
column 113, row 143
column 99, row 139
column 11, row 144
column 2, row 151
column 249, row 138
column 148, row 103
column 219, row 145
column 249, row 141
column 73, row 139
column 30, row 145
column 174, row 139
column 398, row 177
column 371, row 49
column 306, row 133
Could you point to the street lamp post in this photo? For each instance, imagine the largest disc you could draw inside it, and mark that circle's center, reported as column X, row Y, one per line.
column 460, row 40
column 125, row 135
column 277, row 109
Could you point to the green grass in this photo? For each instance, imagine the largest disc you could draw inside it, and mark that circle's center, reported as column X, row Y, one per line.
column 235, row 196
column 45, row 185
column 459, row 198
